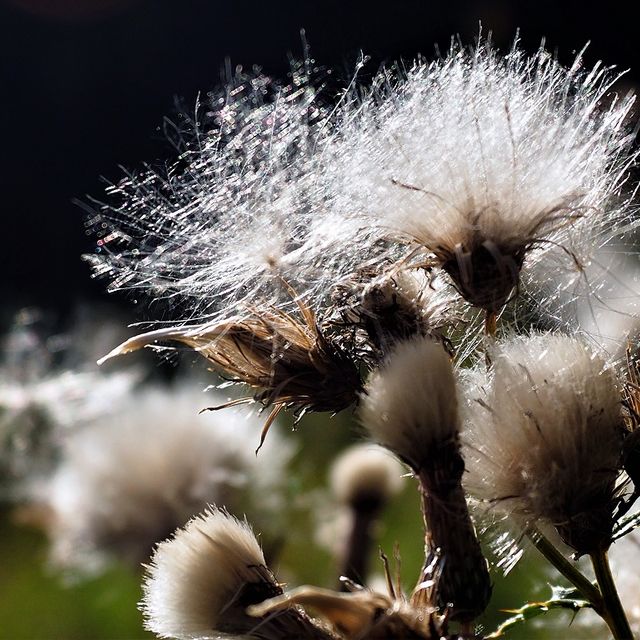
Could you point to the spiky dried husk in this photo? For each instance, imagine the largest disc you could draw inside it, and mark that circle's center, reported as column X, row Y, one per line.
column 290, row 363
column 631, row 447
column 362, row 615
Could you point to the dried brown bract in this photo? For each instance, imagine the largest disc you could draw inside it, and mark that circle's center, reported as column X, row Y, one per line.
column 291, row 363
column 631, row 449
column 361, row 615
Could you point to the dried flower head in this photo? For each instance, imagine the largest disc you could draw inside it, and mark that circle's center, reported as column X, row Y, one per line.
column 291, row 363
column 201, row 581
column 486, row 164
column 127, row 482
column 544, row 437
column 372, row 310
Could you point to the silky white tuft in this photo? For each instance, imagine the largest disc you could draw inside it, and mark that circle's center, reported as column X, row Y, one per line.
column 489, row 164
column 543, row 437
column 223, row 226
column 410, row 405
column 195, row 579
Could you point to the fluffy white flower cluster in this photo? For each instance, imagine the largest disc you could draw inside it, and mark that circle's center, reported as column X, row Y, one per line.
column 129, row 480
column 477, row 164
column 336, row 257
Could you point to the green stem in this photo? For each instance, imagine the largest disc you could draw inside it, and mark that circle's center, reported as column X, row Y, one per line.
column 568, row 570
column 615, row 615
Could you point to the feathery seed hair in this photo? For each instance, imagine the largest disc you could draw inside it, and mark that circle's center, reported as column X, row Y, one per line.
column 215, row 231
column 544, row 438
column 485, row 164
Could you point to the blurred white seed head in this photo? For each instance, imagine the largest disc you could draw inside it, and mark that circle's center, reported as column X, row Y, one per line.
column 365, row 471
column 409, row 405
column 489, row 163
column 127, row 482
column 363, row 478
column 543, row 436
column 49, row 389
column 198, row 581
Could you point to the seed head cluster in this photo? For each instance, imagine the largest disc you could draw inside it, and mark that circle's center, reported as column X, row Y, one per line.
column 400, row 253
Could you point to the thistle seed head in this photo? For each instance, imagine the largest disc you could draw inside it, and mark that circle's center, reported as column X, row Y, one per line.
column 544, row 437
column 487, row 166
column 365, row 473
column 202, row 580
column 126, row 482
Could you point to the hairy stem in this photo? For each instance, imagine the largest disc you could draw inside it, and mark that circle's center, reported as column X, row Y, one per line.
column 568, row 570
column 614, row 616
column 455, row 576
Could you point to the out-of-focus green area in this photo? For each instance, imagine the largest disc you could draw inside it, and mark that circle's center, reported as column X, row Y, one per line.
column 35, row 604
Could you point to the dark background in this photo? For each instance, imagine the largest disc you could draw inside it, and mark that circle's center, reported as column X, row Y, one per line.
column 85, row 85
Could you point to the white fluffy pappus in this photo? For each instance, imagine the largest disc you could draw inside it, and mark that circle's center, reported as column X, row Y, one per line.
column 409, row 404
column 489, row 164
column 543, row 437
column 202, row 581
column 127, row 482
column 195, row 579
column 221, row 227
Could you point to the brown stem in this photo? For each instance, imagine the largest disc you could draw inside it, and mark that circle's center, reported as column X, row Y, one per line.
column 455, row 576
column 355, row 563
